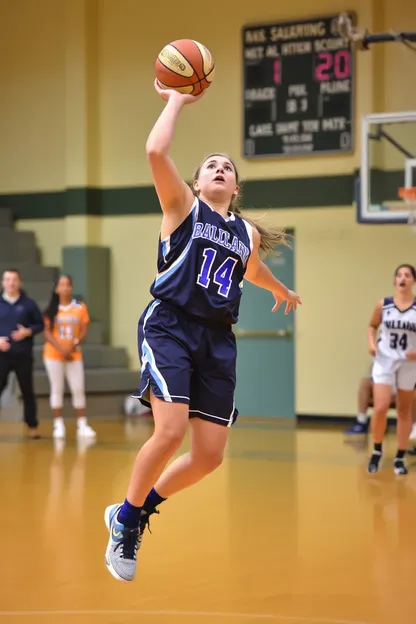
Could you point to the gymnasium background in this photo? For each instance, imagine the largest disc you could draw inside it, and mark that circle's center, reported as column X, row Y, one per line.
column 77, row 103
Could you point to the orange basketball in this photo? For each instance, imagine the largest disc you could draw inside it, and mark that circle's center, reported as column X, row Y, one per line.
column 185, row 66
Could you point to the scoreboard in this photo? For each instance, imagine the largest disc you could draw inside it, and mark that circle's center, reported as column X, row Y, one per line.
column 298, row 89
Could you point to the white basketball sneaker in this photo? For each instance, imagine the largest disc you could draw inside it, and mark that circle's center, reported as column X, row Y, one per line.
column 84, row 430
column 59, row 429
column 122, row 547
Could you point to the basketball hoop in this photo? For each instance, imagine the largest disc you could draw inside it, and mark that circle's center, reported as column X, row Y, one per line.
column 362, row 39
column 408, row 195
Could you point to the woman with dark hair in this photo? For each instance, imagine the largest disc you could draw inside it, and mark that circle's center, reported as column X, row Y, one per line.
column 66, row 324
column 394, row 364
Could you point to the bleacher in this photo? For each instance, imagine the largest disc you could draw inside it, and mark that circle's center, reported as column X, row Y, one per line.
column 107, row 377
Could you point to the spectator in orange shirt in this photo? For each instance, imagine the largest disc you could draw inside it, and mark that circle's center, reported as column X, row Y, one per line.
column 66, row 325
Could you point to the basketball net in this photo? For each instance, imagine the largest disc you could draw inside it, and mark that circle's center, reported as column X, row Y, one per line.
column 408, row 195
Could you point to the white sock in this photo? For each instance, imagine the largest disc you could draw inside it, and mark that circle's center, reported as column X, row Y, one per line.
column 58, row 422
column 362, row 418
column 82, row 421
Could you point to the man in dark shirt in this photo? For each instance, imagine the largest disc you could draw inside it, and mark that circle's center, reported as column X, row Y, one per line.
column 20, row 320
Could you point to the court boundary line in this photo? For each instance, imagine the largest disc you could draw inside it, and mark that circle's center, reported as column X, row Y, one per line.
column 199, row 614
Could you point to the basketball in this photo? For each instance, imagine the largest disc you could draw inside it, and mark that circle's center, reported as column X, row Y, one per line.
column 185, row 66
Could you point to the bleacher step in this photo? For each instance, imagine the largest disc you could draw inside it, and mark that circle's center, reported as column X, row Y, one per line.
column 94, row 335
column 97, row 380
column 94, row 355
column 32, row 272
column 6, row 217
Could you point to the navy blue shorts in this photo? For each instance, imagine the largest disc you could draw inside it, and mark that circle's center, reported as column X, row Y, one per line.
column 186, row 361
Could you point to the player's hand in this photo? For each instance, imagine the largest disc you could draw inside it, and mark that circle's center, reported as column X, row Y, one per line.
column 4, row 344
column 171, row 94
column 292, row 301
column 372, row 350
column 411, row 355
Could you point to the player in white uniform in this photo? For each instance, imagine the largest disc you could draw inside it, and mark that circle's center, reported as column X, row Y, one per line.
column 394, row 363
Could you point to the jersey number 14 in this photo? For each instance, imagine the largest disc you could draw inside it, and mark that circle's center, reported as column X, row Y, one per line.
column 222, row 276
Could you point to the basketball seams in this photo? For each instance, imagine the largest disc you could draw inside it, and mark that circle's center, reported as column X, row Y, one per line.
column 170, row 49
column 173, row 72
column 210, row 60
column 209, row 73
column 202, row 61
column 185, row 89
column 189, row 62
column 181, row 85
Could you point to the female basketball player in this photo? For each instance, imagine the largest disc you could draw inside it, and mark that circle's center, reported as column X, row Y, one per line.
column 66, row 324
column 187, row 348
column 394, row 362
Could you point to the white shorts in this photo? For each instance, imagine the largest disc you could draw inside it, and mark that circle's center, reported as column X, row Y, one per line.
column 396, row 373
column 394, row 390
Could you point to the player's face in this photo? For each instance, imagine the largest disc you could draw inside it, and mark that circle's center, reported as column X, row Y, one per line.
column 64, row 288
column 404, row 280
column 217, row 179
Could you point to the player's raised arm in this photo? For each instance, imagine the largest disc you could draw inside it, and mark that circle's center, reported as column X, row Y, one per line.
column 174, row 194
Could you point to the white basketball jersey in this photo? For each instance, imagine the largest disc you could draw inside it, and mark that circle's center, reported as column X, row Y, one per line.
column 397, row 330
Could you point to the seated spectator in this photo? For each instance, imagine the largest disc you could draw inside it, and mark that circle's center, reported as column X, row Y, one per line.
column 365, row 400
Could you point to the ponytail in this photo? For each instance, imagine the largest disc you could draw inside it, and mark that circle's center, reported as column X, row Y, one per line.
column 52, row 308
column 270, row 236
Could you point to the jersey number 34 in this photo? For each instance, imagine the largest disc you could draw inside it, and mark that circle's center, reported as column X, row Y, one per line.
column 222, row 276
column 395, row 342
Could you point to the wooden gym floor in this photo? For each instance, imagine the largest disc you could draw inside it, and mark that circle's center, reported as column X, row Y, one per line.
column 290, row 530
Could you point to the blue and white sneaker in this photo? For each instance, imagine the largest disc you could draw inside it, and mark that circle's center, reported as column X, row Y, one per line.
column 400, row 467
column 374, row 462
column 123, row 544
column 358, row 429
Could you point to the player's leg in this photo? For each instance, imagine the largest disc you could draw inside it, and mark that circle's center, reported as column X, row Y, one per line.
column 406, row 378
column 383, row 375
column 382, row 393
column 55, row 370
column 76, row 382
column 125, row 521
column 171, row 421
column 212, row 412
column 208, row 442
column 365, row 394
column 164, row 384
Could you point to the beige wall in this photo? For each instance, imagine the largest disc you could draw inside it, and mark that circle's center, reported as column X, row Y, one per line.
column 42, row 101
column 341, row 268
column 50, row 94
column 32, row 96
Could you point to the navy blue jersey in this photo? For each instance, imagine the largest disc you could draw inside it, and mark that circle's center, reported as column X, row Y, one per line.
column 201, row 265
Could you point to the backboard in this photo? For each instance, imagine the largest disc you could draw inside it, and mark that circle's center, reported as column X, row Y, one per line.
column 388, row 162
